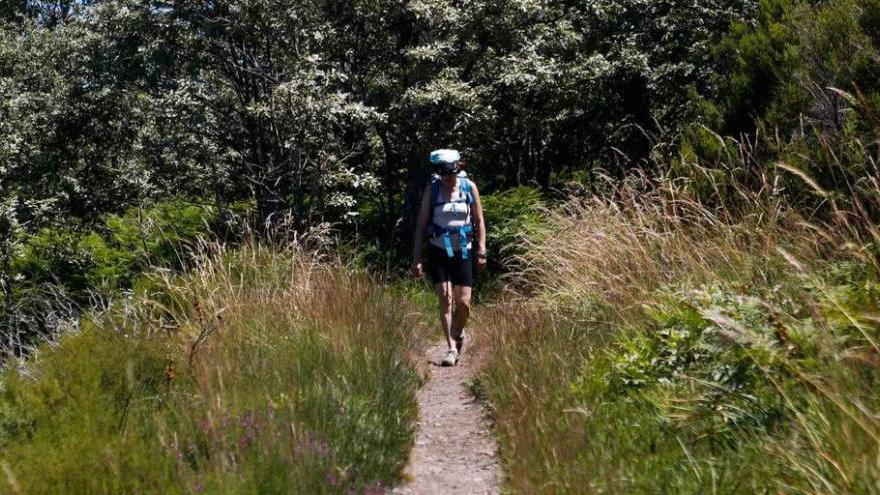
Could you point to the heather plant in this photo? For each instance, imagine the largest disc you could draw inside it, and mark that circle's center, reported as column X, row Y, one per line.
column 254, row 372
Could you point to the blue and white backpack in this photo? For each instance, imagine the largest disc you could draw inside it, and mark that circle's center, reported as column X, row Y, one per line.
column 465, row 231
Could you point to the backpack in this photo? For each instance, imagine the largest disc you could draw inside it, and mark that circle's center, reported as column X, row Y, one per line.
column 435, row 230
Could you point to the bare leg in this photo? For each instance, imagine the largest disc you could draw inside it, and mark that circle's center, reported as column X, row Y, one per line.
column 445, row 294
column 462, row 310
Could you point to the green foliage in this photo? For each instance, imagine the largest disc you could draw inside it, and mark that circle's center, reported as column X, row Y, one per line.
column 94, row 393
column 56, row 271
column 108, row 258
column 756, row 60
column 510, row 216
column 683, row 352
column 110, row 103
column 319, row 116
column 799, row 85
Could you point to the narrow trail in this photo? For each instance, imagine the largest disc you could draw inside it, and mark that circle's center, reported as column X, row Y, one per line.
column 454, row 450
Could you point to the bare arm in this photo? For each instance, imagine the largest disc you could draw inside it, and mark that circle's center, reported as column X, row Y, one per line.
column 422, row 225
column 479, row 222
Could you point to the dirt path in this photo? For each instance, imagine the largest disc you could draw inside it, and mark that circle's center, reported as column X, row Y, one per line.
column 454, row 450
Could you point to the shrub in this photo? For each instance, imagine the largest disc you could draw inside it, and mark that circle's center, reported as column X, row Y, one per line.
column 510, row 215
column 56, row 272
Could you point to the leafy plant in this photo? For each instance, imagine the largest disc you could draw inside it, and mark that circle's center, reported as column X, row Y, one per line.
column 510, row 216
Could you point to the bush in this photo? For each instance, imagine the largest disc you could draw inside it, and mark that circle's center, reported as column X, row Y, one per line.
column 511, row 215
column 56, row 272
column 108, row 258
column 799, row 86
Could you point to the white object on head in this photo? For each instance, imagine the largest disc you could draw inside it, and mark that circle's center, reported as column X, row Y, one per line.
column 461, row 175
column 445, row 156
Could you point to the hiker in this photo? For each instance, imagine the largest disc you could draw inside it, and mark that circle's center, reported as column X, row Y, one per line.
column 451, row 217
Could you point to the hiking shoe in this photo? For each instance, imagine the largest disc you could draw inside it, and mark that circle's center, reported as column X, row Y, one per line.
column 459, row 342
column 451, row 358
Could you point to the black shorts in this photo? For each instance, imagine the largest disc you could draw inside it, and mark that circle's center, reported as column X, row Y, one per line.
column 442, row 268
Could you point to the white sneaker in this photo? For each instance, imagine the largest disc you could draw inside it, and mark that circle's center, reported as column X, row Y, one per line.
column 451, row 358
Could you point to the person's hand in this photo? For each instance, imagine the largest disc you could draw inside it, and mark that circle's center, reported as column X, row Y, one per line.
column 481, row 261
column 417, row 270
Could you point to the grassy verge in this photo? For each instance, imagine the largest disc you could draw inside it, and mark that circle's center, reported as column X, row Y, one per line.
column 261, row 371
column 672, row 349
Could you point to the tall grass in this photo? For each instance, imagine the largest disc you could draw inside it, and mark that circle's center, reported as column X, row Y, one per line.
column 673, row 346
column 263, row 370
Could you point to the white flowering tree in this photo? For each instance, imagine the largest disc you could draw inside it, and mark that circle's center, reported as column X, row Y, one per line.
column 322, row 111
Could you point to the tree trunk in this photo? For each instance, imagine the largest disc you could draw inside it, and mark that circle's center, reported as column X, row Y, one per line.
column 415, row 184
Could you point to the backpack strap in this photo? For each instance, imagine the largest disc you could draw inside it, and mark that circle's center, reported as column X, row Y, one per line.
column 468, row 192
column 465, row 186
column 463, row 239
column 435, row 193
column 435, row 190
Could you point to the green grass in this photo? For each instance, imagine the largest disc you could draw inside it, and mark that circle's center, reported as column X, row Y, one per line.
column 256, row 373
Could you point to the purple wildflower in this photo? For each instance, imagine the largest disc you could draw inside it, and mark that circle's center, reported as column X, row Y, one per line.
column 375, row 489
column 247, row 419
column 320, row 447
column 247, row 439
column 331, row 478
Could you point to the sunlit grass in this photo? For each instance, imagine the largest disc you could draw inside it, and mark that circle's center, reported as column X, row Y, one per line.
column 264, row 370
column 661, row 345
